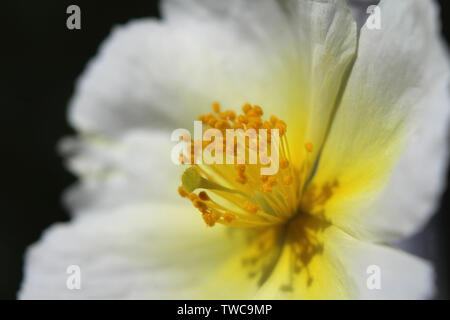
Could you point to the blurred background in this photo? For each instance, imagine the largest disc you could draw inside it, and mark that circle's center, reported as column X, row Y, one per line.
column 41, row 59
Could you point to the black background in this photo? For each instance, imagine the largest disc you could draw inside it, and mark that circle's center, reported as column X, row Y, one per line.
column 40, row 60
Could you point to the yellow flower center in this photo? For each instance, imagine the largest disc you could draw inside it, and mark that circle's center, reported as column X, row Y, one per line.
column 236, row 194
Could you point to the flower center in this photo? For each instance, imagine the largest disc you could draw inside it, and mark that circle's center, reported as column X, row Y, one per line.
column 237, row 192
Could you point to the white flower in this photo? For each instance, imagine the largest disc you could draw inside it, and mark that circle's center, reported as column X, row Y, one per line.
column 373, row 104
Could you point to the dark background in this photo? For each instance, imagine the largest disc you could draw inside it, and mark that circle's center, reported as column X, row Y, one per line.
column 40, row 60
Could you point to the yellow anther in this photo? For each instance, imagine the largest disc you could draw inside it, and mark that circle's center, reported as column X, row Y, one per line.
column 272, row 181
column 288, row 180
column 281, row 127
column 256, row 120
column 250, row 207
column 240, row 167
column 264, row 178
column 228, row 217
column 204, row 196
column 273, row 119
column 212, row 122
column 267, row 187
column 241, row 178
column 210, row 218
column 258, row 110
column 181, row 192
column 267, row 125
column 231, row 115
column 192, row 196
column 252, row 113
column 246, row 107
column 309, row 146
column 238, row 125
column 284, row 163
column 243, row 119
column 200, row 205
column 223, row 115
column 216, row 107
column 254, row 125
column 222, row 124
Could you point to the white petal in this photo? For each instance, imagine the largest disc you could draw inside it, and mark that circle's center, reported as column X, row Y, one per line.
column 418, row 179
column 326, row 36
column 288, row 56
column 166, row 251
column 402, row 276
column 414, row 190
column 131, row 169
column 142, row 252
column 163, row 74
column 114, row 93
column 399, row 86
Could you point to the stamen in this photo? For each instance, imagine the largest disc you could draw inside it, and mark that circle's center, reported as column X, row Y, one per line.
column 284, row 163
column 250, row 207
column 238, row 195
column 288, row 180
column 229, row 216
column 181, row 192
column 216, row 107
column 204, row 196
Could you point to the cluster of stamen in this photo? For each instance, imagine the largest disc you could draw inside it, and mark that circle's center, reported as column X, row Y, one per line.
column 238, row 194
